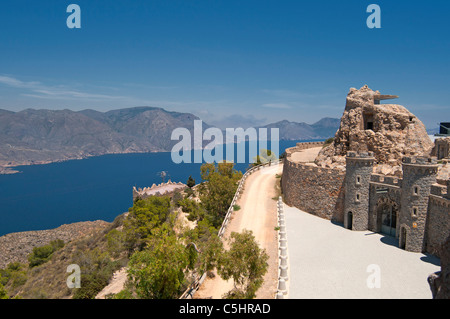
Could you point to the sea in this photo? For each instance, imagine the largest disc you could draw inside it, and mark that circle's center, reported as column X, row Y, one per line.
column 97, row 188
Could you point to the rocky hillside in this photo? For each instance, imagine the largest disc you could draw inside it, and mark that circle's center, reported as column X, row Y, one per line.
column 16, row 247
column 42, row 136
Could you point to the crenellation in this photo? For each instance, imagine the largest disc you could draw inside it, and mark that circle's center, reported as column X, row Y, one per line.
column 157, row 190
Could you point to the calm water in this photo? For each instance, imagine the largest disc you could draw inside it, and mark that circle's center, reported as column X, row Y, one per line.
column 47, row 196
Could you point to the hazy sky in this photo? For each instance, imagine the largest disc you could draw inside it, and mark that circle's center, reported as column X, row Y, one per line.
column 243, row 62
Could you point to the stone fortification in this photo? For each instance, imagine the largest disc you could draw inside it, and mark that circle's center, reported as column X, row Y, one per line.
column 316, row 190
column 390, row 131
column 367, row 178
column 158, row 190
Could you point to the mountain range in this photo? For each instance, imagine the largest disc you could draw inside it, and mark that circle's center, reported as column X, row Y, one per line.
column 42, row 136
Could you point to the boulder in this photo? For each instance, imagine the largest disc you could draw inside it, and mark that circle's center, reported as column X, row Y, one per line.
column 390, row 131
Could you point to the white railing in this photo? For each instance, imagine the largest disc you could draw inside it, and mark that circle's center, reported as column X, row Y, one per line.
column 189, row 293
column 283, row 269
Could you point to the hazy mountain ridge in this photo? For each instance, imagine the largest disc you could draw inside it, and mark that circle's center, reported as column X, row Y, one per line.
column 42, row 136
column 322, row 129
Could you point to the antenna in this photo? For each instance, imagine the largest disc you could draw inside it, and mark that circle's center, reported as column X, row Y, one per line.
column 163, row 175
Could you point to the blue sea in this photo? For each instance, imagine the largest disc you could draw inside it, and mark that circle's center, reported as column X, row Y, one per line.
column 98, row 188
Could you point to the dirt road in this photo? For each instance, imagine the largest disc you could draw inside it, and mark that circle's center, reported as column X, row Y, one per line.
column 258, row 213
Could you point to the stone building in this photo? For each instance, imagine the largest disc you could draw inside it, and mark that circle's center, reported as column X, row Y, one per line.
column 379, row 184
column 442, row 148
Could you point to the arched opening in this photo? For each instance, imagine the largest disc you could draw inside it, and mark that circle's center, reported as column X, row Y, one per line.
column 350, row 220
column 387, row 218
column 402, row 241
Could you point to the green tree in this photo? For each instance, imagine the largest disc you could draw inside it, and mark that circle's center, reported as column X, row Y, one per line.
column 144, row 216
column 42, row 254
column 116, row 242
column 190, row 182
column 245, row 263
column 158, row 271
column 211, row 254
column 218, row 189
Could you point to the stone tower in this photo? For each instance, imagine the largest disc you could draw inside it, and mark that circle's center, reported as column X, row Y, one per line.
column 359, row 167
column 419, row 173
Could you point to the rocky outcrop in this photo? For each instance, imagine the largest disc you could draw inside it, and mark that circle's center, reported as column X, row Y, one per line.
column 390, row 131
column 17, row 246
column 440, row 281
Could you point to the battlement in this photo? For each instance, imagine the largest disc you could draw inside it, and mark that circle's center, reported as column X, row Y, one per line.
column 360, row 159
column 157, row 190
column 419, row 160
column 306, row 145
column 387, row 180
column 360, row 155
column 438, row 190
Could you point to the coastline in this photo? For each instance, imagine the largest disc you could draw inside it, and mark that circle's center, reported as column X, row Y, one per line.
column 10, row 168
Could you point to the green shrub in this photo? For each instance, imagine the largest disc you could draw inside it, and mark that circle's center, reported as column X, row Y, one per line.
column 3, row 294
column 190, row 182
column 42, row 254
column 116, row 242
column 328, row 141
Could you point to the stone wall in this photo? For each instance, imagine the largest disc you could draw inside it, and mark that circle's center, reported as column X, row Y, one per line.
column 438, row 223
column 307, row 145
column 442, row 148
column 422, row 206
column 319, row 191
column 162, row 189
column 440, row 281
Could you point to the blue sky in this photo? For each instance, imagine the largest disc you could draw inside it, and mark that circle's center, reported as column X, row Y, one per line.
column 241, row 62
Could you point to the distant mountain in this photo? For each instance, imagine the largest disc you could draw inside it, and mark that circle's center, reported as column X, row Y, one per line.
column 322, row 129
column 432, row 131
column 42, row 136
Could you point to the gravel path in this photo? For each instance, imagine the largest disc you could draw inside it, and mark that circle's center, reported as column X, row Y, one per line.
column 258, row 214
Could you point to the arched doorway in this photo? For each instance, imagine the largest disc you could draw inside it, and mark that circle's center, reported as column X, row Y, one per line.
column 402, row 240
column 350, row 220
column 387, row 213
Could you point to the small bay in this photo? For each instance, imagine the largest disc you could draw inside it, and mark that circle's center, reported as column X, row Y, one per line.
column 98, row 188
